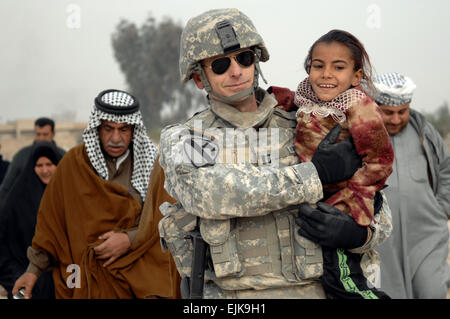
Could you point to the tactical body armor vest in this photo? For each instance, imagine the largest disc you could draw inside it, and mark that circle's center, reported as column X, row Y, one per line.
column 253, row 252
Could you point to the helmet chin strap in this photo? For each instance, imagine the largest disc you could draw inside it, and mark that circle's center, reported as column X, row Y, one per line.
column 235, row 99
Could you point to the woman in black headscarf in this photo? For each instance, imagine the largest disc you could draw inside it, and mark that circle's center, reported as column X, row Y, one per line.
column 18, row 219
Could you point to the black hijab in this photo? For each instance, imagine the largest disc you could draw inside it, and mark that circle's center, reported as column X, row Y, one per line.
column 18, row 215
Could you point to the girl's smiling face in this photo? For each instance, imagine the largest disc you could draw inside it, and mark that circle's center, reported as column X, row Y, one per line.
column 332, row 70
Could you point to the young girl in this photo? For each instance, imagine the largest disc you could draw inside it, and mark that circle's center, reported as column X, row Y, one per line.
column 332, row 94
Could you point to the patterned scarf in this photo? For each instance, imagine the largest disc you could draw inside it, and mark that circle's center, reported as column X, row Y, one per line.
column 144, row 151
column 309, row 103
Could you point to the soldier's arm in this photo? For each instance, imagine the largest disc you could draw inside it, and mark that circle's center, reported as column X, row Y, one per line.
column 380, row 229
column 223, row 191
column 174, row 229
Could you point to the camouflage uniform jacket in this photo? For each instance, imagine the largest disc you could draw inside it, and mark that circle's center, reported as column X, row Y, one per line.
column 243, row 196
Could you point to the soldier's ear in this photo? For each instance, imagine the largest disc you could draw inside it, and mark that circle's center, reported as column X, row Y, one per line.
column 198, row 81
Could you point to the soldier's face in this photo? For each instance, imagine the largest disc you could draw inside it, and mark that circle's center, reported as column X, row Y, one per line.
column 115, row 137
column 395, row 117
column 234, row 80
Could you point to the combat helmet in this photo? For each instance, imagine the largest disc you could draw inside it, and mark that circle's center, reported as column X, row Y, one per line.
column 216, row 32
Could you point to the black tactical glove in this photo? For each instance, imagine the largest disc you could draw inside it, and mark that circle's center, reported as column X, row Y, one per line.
column 336, row 162
column 328, row 226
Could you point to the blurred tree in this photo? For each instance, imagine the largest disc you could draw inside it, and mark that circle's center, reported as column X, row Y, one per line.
column 64, row 115
column 148, row 57
column 441, row 119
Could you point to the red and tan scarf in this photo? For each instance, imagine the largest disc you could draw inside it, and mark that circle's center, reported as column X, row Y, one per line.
column 309, row 103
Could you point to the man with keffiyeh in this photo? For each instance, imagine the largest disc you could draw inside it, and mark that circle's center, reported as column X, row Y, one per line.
column 96, row 226
column 413, row 259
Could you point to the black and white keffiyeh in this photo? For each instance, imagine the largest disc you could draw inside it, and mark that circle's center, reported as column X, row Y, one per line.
column 393, row 89
column 121, row 107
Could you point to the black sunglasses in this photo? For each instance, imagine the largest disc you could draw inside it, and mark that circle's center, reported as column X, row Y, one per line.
column 221, row 65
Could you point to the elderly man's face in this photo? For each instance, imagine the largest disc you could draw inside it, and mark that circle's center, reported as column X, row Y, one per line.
column 115, row 138
column 395, row 117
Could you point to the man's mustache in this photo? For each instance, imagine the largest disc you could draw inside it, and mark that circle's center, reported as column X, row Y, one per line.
column 112, row 144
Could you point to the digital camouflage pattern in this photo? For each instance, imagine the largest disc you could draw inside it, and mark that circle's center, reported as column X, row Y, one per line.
column 313, row 290
column 381, row 228
column 262, row 250
column 199, row 39
column 177, row 223
column 243, row 189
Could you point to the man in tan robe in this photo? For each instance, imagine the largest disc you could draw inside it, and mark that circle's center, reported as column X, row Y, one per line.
column 97, row 223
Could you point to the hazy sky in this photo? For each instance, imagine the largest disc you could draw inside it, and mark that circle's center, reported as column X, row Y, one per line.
column 56, row 55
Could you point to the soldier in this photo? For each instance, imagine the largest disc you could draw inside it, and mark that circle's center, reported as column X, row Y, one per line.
column 238, row 182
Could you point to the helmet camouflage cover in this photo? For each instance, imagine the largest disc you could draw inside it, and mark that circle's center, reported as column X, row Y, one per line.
column 200, row 39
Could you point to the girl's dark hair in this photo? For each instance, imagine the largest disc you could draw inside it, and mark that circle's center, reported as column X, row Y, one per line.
column 358, row 52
